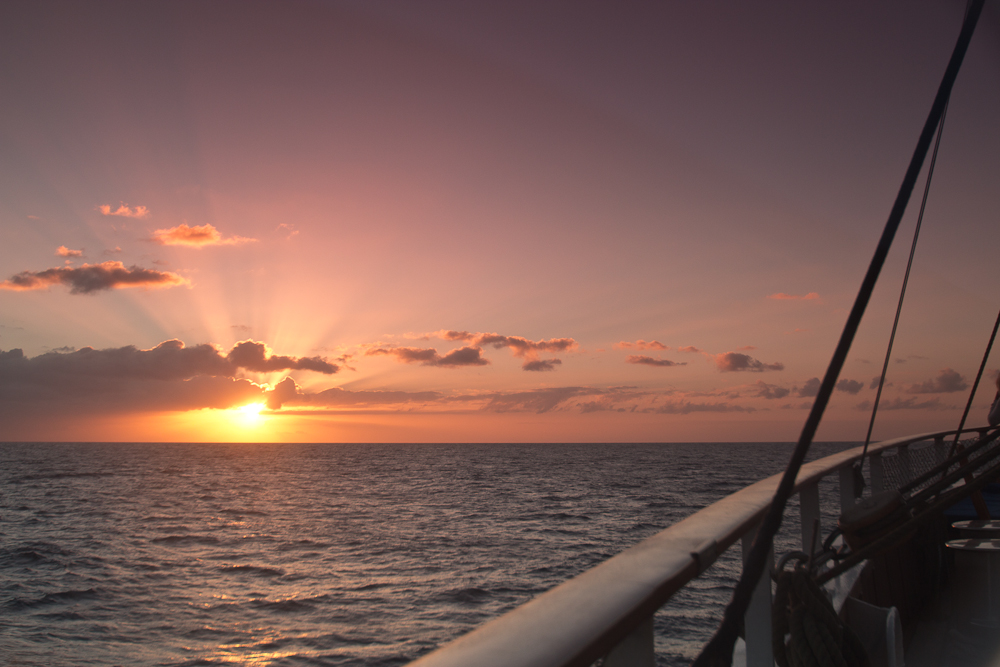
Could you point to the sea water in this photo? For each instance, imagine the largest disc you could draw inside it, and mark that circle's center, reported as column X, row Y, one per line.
column 332, row 554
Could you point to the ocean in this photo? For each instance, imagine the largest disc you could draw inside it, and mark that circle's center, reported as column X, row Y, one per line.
column 333, row 554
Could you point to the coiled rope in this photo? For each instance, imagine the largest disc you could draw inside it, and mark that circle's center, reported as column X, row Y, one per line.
column 816, row 635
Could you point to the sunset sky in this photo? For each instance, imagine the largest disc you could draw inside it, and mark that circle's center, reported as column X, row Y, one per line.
column 509, row 221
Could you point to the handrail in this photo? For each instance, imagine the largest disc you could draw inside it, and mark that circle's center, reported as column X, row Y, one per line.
column 582, row 619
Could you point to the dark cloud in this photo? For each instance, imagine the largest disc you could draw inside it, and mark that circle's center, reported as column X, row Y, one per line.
column 852, row 387
column 650, row 361
column 257, row 357
column 428, row 356
column 463, row 356
column 737, row 361
column 874, row 383
column 770, row 391
column 689, row 348
column 284, row 391
column 541, row 365
column 170, row 376
column 947, row 381
column 810, row 389
column 91, row 278
column 518, row 345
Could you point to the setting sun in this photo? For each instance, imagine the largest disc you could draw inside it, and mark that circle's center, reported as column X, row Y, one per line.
column 249, row 415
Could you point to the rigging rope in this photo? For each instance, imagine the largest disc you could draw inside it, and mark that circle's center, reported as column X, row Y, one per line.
column 899, row 307
column 719, row 650
column 975, row 385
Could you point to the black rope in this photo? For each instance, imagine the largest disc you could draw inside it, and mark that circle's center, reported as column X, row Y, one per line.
column 902, row 291
column 719, row 650
column 975, row 385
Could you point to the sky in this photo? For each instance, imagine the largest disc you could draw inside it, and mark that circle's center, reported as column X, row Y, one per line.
column 486, row 222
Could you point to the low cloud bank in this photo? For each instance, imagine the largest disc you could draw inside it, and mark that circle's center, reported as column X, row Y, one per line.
column 91, row 278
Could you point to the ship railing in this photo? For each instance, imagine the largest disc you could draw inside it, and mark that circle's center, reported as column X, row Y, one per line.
column 606, row 612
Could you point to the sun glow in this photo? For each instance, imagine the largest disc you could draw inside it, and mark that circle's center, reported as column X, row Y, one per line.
column 249, row 415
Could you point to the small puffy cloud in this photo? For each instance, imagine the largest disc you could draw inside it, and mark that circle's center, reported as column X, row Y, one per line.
column 770, row 391
column 463, row 356
column 124, row 211
column 947, row 381
column 113, row 251
column 198, row 236
column 642, row 345
column 650, row 361
column 874, row 383
column 781, row 296
column 518, row 345
column 729, row 362
column 91, row 278
column 852, row 387
column 288, row 230
column 541, row 365
column 810, row 389
column 689, row 348
column 63, row 251
column 257, row 357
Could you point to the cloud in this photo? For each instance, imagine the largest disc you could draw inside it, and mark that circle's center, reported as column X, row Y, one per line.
column 124, row 211
column 428, row 356
column 288, row 230
column 641, row 345
column 541, row 365
column 518, row 345
column 539, row 401
column 169, row 376
column 91, row 278
column 688, row 348
column 810, row 389
column 729, row 362
column 947, row 381
column 113, row 251
column 196, row 237
column 874, row 383
column 63, row 251
column 781, row 296
column 254, row 356
column 686, row 407
column 852, row 387
column 282, row 392
column 770, row 391
column 650, row 361
column 911, row 403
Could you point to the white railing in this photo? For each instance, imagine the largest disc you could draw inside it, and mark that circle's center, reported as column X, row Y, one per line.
column 608, row 610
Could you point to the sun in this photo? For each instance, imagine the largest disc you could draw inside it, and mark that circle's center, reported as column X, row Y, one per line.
column 249, row 415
